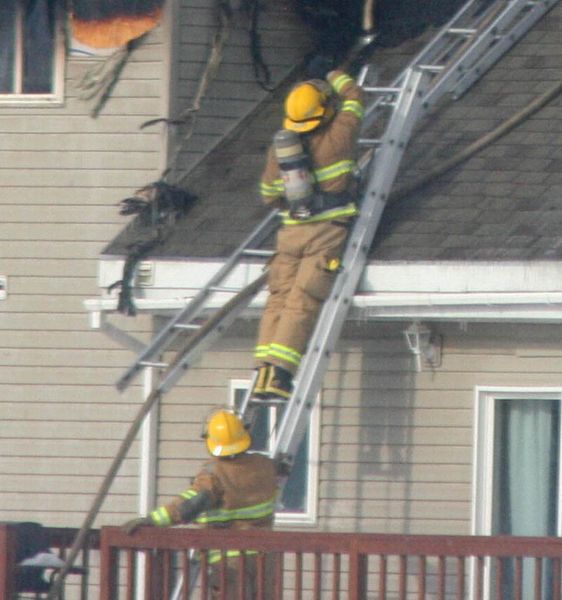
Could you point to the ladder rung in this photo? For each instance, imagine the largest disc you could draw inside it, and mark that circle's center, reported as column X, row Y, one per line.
column 156, row 365
column 228, row 290
column 432, row 68
column 190, row 326
column 269, row 401
column 382, row 90
column 252, row 252
column 461, row 31
column 369, row 141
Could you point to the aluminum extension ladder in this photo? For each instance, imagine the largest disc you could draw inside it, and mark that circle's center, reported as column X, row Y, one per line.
column 195, row 323
column 461, row 52
column 456, row 57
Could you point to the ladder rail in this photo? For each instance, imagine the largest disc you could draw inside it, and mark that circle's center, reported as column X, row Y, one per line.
column 495, row 44
column 426, row 55
column 383, row 171
column 486, row 61
column 169, row 332
column 211, row 330
column 466, row 77
column 465, row 72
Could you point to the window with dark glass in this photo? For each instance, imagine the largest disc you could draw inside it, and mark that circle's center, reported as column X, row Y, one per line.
column 27, row 46
column 296, row 497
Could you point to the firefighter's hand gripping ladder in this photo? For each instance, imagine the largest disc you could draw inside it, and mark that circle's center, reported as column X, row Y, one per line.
column 465, row 48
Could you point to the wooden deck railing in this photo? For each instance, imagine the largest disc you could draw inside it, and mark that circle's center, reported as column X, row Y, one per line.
column 59, row 539
column 336, row 566
column 306, row 565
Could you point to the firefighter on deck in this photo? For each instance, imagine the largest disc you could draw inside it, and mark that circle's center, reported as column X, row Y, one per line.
column 325, row 115
column 235, row 490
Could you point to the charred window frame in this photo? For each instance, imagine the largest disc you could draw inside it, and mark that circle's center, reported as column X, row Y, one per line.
column 31, row 52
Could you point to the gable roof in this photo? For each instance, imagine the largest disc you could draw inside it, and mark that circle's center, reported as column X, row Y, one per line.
column 503, row 204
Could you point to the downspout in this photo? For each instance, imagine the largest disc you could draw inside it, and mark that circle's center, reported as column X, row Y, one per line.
column 149, row 446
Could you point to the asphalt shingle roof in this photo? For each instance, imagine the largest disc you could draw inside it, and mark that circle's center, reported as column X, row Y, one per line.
column 505, row 203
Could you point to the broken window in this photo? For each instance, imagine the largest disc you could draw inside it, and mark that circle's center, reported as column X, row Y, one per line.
column 28, row 48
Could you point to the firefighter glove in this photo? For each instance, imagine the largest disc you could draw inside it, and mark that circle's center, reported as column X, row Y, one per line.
column 131, row 526
column 319, row 66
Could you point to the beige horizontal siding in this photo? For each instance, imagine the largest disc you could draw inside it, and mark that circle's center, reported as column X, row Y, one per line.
column 393, row 434
column 94, row 160
column 69, row 357
column 225, row 101
column 67, row 484
column 57, row 397
column 74, row 141
column 100, row 448
column 74, row 124
column 396, row 446
column 74, row 465
column 400, row 490
column 124, row 178
column 62, row 175
column 62, row 375
column 59, row 339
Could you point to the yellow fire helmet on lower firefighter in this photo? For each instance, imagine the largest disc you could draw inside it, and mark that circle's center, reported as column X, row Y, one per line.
column 307, row 106
column 226, row 434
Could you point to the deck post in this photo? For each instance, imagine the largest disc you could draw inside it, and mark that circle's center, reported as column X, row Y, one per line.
column 357, row 587
column 7, row 560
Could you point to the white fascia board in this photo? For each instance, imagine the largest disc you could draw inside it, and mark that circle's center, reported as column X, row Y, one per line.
column 462, row 277
column 388, row 290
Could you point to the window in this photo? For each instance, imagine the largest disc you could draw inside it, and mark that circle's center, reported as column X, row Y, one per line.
column 297, row 504
column 517, row 469
column 31, row 52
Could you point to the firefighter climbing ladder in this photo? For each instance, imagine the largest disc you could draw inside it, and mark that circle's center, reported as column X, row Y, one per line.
column 473, row 40
column 455, row 59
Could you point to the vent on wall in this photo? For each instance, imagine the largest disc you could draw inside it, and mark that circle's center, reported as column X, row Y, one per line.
column 145, row 274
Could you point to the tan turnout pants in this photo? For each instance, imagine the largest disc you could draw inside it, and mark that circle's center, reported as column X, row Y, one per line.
column 301, row 276
column 251, row 574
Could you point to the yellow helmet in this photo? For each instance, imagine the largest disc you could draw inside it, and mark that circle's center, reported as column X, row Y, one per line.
column 226, row 434
column 306, row 107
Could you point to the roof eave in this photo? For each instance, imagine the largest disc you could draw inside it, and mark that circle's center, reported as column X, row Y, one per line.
column 462, row 291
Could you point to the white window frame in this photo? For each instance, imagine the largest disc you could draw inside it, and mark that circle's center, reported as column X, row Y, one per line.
column 309, row 515
column 54, row 98
column 483, row 461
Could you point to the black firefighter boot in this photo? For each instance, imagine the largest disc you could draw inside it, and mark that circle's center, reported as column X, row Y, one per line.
column 279, row 384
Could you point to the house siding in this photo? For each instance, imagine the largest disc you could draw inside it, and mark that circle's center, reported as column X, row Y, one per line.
column 62, row 175
column 396, row 446
column 233, row 91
